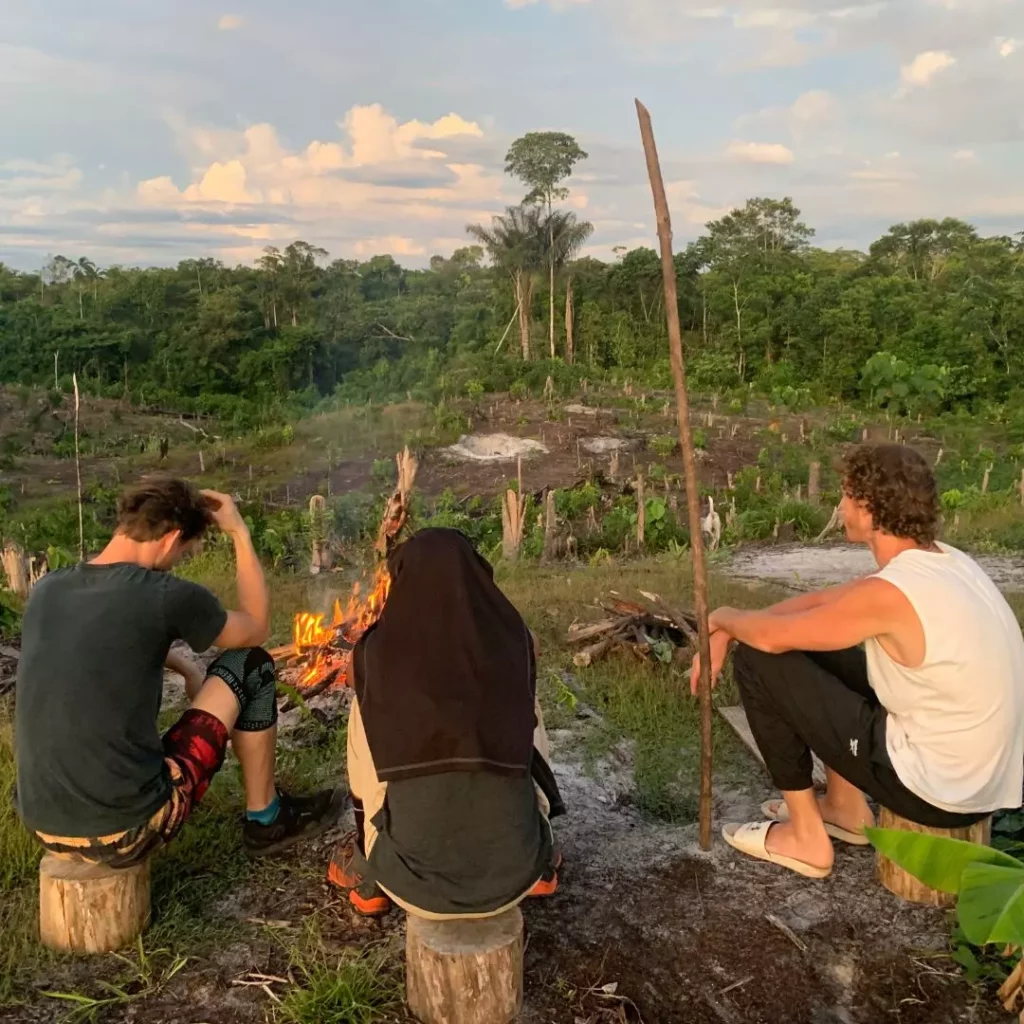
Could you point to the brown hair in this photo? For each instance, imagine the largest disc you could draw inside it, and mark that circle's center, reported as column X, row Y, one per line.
column 898, row 488
column 160, row 504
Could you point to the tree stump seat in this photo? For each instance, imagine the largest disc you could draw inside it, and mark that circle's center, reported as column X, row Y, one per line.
column 905, row 885
column 465, row 972
column 91, row 908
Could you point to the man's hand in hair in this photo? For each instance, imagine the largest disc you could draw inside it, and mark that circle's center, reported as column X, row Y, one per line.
column 224, row 513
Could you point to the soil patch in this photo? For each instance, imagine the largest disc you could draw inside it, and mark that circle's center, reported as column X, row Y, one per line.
column 647, row 925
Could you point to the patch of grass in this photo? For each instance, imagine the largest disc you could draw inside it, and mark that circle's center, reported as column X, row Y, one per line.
column 340, row 988
column 20, row 954
column 142, row 976
column 649, row 706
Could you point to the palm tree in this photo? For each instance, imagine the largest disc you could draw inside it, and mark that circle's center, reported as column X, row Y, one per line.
column 515, row 241
column 82, row 271
column 563, row 236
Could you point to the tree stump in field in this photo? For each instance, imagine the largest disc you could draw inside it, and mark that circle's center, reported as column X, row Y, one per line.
column 465, row 972
column 899, row 882
column 89, row 908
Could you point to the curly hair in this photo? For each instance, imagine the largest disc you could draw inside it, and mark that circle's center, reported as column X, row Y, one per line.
column 159, row 504
column 898, row 488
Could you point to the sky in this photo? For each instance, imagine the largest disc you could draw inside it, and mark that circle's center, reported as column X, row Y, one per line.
column 137, row 132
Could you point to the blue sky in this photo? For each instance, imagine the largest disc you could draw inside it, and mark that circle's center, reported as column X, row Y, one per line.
column 141, row 132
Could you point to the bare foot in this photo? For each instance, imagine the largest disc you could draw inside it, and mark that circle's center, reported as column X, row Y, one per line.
column 849, row 814
column 815, row 850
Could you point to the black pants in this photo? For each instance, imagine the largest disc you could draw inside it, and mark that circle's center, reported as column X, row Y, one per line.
column 822, row 701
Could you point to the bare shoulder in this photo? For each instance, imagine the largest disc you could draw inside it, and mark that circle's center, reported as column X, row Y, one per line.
column 879, row 595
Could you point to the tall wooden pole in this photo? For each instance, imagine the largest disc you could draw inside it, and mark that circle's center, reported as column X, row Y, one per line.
column 700, row 580
column 78, row 475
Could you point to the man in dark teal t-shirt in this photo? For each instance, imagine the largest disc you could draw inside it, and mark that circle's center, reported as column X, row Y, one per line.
column 95, row 778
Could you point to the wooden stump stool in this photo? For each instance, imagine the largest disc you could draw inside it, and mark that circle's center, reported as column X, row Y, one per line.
column 89, row 908
column 898, row 882
column 465, row 972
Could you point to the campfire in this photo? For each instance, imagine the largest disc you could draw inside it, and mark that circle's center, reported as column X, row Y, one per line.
column 322, row 651
column 320, row 654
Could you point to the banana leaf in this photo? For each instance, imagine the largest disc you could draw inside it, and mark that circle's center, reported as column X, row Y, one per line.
column 935, row 860
column 991, row 903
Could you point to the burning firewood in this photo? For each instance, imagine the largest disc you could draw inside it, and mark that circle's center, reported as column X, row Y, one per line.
column 653, row 629
column 320, row 654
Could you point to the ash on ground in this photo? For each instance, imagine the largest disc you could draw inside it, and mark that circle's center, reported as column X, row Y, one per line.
column 494, row 448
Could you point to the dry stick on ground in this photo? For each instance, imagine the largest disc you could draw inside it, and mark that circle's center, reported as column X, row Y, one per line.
column 78, row 475
column 700, row 583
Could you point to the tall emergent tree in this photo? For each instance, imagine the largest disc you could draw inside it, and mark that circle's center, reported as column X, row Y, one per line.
column 542, row 161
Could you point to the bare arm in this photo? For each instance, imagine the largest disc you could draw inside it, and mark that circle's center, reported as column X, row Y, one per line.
column 815, row 599
column 186, row 667
column 860, row 610
column 250, row 625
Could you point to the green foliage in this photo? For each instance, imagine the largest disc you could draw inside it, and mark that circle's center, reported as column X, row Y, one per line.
column 10, row 614
column 664, row 445
column 931, row 320
column 894, row 384
column 383, row 471
column 989, row 883
column 350, row 989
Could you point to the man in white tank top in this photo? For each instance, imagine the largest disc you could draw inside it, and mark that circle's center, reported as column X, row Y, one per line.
column 926, row 718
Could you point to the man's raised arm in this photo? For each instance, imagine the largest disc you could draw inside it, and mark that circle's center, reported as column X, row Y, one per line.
column 250, row 625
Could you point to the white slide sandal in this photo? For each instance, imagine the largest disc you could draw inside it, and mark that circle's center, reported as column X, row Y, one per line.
column 750, row 839
column 776, row 810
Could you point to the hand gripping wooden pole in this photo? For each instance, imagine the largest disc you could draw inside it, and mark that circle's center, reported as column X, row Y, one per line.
column 700, row 581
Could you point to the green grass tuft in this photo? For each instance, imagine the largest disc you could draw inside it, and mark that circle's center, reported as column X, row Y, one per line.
column 345, row 988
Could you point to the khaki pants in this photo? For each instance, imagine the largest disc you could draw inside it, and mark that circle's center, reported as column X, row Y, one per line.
column 367, row 788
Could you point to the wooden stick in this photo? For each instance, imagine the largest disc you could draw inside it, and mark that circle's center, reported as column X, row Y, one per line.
column 700, row 582
column 78, row 476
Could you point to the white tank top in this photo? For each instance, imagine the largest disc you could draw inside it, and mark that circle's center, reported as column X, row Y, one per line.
column 955, row 731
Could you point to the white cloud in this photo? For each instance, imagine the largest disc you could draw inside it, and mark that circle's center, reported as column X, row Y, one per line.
column 772, row 17
column 229, row 22
column 32, row 178
column 965, row 156
column 383, row 186
column 925, row 66
column 759, row 152
column 394, row 245
column 815, row 107
column 1008, row 47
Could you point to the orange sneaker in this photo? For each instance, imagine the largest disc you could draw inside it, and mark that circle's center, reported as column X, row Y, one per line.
column 365, row 896
column 547, row 885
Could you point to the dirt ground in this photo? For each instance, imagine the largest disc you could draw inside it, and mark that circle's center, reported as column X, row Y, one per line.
column 805, row 566
column 567, row 460
column 645, row 927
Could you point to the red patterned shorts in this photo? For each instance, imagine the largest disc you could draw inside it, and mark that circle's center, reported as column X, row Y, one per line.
column 194, row 749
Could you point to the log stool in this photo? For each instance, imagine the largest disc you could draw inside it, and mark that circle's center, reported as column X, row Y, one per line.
column 898, row 882
column 90, row 908
column 465, row 972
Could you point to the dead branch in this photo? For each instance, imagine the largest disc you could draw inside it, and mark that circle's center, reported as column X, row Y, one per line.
column 391, row 334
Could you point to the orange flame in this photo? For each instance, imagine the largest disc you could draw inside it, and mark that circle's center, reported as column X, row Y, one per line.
column 314, row 639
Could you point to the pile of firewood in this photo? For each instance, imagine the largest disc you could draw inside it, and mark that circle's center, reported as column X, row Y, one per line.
column 653, row 630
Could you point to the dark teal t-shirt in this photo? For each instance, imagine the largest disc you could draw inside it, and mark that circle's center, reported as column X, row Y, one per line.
column 90, row 682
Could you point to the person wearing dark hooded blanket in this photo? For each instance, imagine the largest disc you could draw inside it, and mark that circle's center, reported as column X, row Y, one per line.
column 447, row 755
